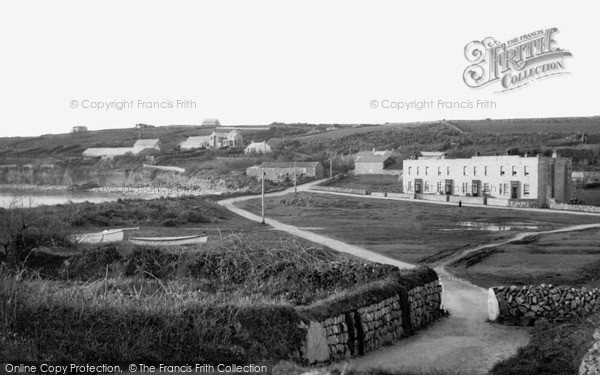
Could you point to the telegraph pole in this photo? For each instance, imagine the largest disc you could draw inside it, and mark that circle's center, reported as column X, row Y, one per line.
column 331, row 167
column 295, row 182
column 263, row 197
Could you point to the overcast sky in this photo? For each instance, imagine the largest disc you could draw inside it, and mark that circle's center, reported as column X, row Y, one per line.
column 257, row 62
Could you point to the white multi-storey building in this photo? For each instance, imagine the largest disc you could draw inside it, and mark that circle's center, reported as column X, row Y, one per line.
column 511, row 177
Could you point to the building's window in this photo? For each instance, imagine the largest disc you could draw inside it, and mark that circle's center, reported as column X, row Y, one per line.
column 486, row 188
column 426, row 183
column 426, row 171
column 506, row 189
column 417, row 171
column 448, row 171
column 500, row 191
column 409, row 187
column 526, row 190
column 465, row 187
column 526, row 171
column 439, row 171
column 501, row 170
column 464, row 171
column 514, row 170
column 474, row 171
column 409, row 170
column 440, row 186
column 485, row 170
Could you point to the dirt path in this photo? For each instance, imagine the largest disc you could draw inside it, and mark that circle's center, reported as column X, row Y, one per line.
column 464, row 342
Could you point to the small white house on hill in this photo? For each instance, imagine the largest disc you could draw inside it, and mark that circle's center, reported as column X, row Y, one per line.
column 225, row 137
column 211, row 122
column 375, row 162
column 146, row 144
column 195, row 142
column 258, row 148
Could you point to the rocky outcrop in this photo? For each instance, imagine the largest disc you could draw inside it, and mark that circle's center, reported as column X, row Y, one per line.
column 524, row 305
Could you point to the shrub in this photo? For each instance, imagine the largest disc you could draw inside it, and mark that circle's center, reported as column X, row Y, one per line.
column 194, row 216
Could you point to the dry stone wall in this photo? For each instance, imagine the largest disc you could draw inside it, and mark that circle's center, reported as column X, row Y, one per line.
column 524, row 305
column 340, row 190
column 590, row 365
column 573, row 207
column 424, row 302
column 357, row 330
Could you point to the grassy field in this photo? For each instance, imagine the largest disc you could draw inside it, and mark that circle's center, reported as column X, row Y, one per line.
column 560, row 124
column 409, row 231
column 385, row 183
column 571, row 258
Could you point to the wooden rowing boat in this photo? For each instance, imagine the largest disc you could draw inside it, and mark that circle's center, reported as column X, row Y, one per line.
column 109, row 235
column 169, row 241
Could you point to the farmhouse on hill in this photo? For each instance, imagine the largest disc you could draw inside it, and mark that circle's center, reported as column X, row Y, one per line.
column 280, row 171
column 375, row 162
column 497, row 179
column 211, row 122
column 201, row 140
column 258, row 148
column 146, row 144
column 222, row 137
column 79, row 129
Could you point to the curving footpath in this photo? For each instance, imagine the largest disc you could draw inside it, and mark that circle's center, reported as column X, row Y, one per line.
column 464, row 342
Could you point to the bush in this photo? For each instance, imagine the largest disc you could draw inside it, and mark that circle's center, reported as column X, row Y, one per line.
column 194, row 216
column 171, row 223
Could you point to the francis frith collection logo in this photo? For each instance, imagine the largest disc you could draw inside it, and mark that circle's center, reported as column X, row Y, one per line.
column 514, row 63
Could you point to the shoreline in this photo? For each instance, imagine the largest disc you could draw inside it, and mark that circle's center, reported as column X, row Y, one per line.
column 116, row 191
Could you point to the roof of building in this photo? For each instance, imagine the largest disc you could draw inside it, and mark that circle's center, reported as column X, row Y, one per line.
column 146, row 143
column 433, row 154
column 195, row 140
column 224, row 131
column 372, row 153
column 372, row 156
column 289, row 164
column 258, row 144
column 107, row 151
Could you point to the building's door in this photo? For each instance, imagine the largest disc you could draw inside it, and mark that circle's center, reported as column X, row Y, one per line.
column 418, row 185
column 514, row 190
column 475, row 188
column 448, row 187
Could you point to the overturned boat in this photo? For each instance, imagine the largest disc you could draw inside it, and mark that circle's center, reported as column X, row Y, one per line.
column 108, row 235
column 170, row 241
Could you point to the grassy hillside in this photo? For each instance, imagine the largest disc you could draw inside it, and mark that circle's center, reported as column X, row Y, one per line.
column 534, row 125
column 299, row 142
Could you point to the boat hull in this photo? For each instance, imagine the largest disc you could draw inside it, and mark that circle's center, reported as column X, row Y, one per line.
column 169, row 241
column 106, row 236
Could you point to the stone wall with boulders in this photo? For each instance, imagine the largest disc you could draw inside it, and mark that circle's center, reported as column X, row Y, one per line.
column 524, row 305
column 340, row 190
column 466, row 200
column 401, row 195
column 424, row 300
column 368, row 319
column 573, row 207
column 590, row 365
column 433, row 197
